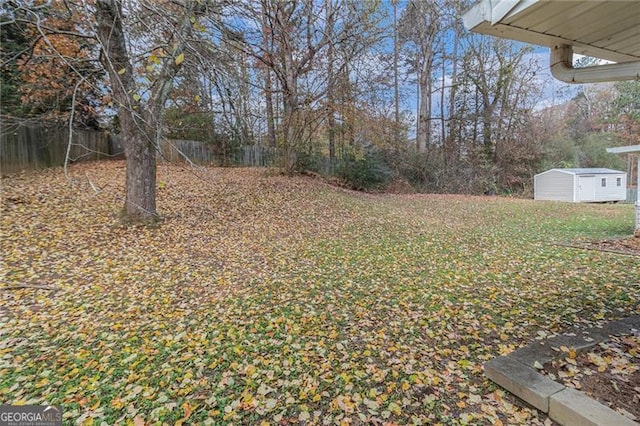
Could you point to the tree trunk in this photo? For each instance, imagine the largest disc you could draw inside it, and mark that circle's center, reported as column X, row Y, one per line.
column 443, row 125
column 271, row 128
column 396, row 91
column 140, row 200
column 423, row 138
column 290, row 127
column 449, row 149
column 331, row 123
column 267, row 33
column 487, row 139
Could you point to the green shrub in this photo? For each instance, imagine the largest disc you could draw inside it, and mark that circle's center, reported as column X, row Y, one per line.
column 366, row 173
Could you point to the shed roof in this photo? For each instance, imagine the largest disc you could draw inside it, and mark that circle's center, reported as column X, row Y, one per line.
column 586, row 171
column 594, row 170
column 602, row 29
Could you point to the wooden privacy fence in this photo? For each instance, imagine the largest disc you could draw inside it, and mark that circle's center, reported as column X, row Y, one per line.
column 35, row 147
column 177, row 151
column 260, row 156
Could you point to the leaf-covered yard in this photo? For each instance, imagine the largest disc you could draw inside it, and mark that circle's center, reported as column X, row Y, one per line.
column 281, row 300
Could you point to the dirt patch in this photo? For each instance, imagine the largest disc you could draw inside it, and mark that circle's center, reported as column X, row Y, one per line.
column 609, row 373
column 628, row 246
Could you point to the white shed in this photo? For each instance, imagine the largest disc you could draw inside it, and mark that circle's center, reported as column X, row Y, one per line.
column 580, row 185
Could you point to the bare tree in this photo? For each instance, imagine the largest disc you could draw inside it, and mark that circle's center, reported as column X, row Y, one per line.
column 396, row 88
column 267, row 48
column 141, row 61
column 302, row 35
column 140, row 113
column 450, row 152
column 331, row 83
column 420, row 27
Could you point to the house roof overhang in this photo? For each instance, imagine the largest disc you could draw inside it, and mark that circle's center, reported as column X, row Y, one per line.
column 629, row 149
column 609, row 30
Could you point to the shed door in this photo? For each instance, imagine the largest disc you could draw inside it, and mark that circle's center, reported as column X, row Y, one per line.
column 587, row 188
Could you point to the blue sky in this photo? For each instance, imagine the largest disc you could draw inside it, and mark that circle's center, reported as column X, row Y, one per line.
column 553, row 91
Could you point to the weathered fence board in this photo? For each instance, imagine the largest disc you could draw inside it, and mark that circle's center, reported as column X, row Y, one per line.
column 178, row 151
column 259, row 156
column 32, row 148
